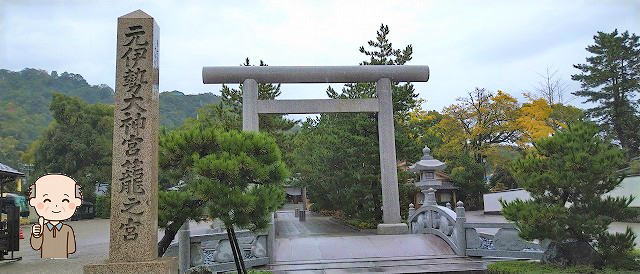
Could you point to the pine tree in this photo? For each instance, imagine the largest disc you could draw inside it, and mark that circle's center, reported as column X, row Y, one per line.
column 383, row 53
column 567, row 175
column 237, row 176
column 611, row 79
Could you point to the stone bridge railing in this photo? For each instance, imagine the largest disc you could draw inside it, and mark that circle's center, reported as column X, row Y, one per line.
column 212, row 251
column 463, row 238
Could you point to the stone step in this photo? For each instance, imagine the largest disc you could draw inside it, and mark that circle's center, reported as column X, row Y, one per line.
column 420, row 264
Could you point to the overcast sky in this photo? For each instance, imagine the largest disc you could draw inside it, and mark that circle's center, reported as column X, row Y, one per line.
column 467, row 44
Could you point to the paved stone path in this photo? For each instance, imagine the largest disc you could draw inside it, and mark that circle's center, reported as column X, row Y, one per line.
column 92, row 245
column 288, row 226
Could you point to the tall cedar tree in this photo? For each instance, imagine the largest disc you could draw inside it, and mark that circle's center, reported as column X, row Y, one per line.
column 567, row 175
column 611, row 79
column 337, row 154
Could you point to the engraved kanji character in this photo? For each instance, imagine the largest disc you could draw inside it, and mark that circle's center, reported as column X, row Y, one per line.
column 135, row 33
column 129, row 206
column 136, row 54
column 132, row 145
column 131, row 180
column 132, row 123
column 130, row 229
column 133, row 79
column 132, row 102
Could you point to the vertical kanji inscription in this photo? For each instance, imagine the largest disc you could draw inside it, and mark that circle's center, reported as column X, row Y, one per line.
column 134, row 188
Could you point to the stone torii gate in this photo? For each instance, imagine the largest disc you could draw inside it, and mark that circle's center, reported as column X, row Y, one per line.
column 381, row 74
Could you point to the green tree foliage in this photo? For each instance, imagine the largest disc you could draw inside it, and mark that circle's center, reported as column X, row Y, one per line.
column 9, row 151
column 617, row 249
column 77, row 143
column 404, row 97
column 564, row 115
column 276, row 125
column 470, row 131
column 567, row 175
column 239, row 175
column 175, row 208
column 24, row 105
column 25, row 97
column 468, row 175
column 420, row 129
column 611, row 79
column 103, row 206
column 499, row 157
column 176, row 107
column 337, row 155
column 272, row 123
column 215, row 116
column 338, row 161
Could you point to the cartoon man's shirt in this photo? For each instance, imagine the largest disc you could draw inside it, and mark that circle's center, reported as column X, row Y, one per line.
column 55, row 241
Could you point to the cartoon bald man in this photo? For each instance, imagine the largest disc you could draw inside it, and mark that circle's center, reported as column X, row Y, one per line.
column 55, row 198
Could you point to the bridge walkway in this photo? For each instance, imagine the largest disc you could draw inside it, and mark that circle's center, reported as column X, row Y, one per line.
column 323, row 245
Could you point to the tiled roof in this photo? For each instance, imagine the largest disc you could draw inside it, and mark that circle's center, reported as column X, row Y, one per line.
column 7, row 169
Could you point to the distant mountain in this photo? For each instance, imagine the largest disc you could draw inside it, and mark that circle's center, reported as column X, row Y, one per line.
column 24, row 105
column 175, row 106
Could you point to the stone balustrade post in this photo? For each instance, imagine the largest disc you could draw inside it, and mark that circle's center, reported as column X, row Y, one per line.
column 271, row 238
column 461, row 237
column 412, row 210
column 184, row 247
column 429, row 197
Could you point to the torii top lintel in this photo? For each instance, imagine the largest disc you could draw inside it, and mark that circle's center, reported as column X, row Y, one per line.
column 314, row 74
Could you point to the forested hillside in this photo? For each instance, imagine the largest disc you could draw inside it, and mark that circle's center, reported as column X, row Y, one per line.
column 175, row 106
column 25, row 97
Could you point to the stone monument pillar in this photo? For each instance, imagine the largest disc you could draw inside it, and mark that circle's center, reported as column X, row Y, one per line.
column 133, row 246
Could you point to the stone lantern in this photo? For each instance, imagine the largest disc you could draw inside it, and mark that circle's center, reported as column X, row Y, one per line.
column 431, row 176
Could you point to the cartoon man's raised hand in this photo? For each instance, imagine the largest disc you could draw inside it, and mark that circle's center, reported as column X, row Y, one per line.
column 36, row 230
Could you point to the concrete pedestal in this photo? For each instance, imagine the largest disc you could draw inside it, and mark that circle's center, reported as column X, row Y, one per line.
column 161, row 265
column 393, row 229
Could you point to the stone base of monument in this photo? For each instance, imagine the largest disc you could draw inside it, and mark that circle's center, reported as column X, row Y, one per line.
column 393, row 229
column 161, row 265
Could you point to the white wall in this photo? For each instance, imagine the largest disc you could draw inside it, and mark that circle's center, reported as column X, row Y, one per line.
column 629, row 186
column 492, row 200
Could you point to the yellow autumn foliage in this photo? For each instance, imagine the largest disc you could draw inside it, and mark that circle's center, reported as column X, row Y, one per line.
column 534, row 120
